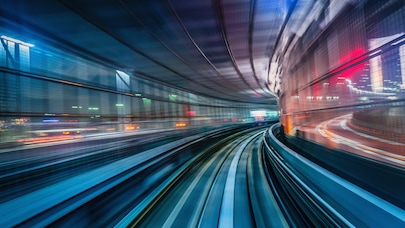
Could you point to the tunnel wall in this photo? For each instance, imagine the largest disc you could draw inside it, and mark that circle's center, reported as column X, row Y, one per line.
column 45, row 86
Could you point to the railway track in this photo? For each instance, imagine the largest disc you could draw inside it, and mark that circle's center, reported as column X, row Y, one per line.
column 104, row 194
column 226, row 187
column 239, row 177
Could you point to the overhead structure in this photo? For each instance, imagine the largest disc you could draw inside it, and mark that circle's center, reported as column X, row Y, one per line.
column 224, row 49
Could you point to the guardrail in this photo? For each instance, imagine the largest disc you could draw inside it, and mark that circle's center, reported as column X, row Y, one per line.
column 324, row 197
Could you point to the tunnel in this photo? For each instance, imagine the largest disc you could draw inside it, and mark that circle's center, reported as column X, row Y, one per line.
column 221, row 113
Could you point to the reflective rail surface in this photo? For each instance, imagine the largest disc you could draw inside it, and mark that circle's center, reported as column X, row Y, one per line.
column 223, row 187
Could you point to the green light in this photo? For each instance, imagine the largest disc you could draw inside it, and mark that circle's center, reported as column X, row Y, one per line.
column 138, row 94
column 146, row 101
column 172, row 97
column 119, row 105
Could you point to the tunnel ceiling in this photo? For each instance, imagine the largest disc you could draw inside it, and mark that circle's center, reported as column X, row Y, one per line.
column 218, row 48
